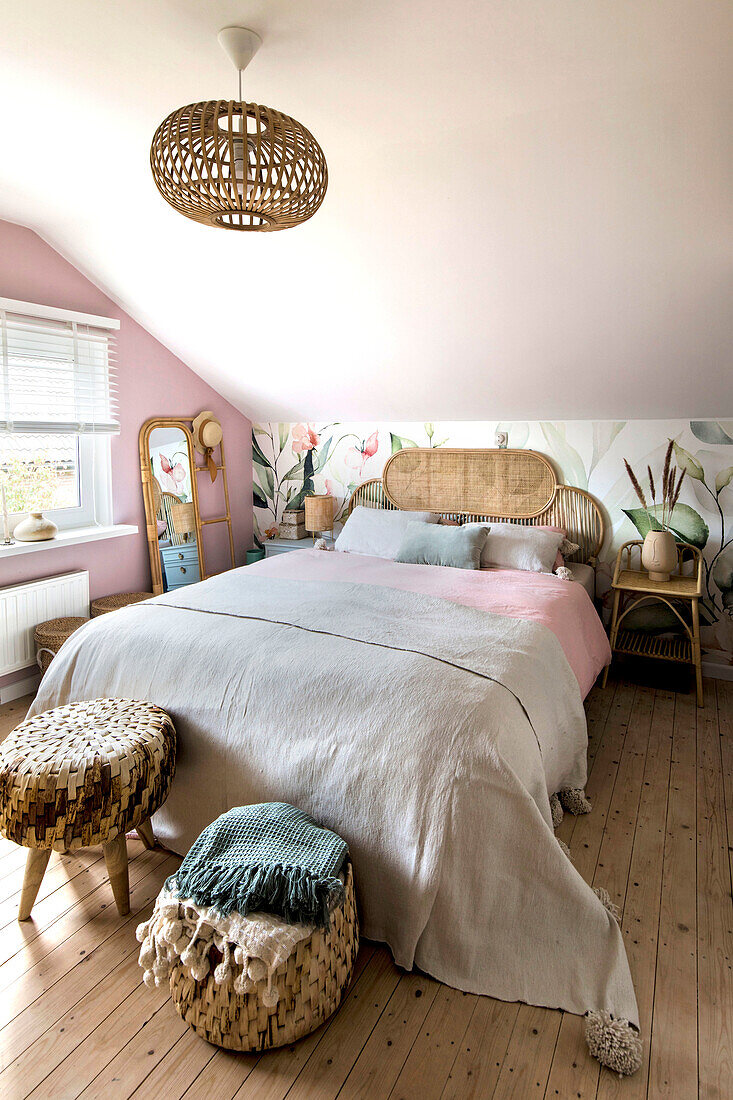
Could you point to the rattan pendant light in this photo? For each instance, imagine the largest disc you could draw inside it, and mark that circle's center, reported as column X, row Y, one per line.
column 237, row 165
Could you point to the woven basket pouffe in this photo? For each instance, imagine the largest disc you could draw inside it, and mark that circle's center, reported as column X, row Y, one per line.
column 105, row 604
column 85, row 774
column 51, row 635
column 311, row 984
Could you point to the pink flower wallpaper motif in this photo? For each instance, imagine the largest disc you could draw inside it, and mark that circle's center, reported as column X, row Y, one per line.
column 171, row 477
column 291, row 460
column 358, row 455
column 304, row 438
column 169, row 465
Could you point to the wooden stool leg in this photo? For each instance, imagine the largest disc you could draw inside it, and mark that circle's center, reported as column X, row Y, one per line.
column 115, row 856
column 145, row 831
column 35, row 868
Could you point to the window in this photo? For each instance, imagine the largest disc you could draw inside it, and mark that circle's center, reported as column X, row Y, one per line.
column 57, row 411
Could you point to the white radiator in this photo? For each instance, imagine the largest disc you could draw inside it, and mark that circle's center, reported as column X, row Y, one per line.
column 23, row 606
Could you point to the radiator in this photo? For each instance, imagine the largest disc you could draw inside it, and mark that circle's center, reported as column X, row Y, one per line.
column 23, row 606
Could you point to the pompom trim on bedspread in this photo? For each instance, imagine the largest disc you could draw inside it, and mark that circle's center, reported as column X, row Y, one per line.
column 556, row 811
column 614, row 1042
column 605, row 899
column 574, row 800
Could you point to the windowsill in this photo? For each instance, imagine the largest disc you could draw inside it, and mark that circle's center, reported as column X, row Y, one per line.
column 74, row 537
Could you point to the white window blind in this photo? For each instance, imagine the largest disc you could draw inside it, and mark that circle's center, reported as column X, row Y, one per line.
column 57, row 370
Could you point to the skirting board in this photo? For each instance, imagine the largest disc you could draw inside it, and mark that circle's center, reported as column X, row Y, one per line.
column 28, row 686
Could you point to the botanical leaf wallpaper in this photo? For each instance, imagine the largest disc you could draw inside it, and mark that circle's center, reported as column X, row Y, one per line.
column 291, row 460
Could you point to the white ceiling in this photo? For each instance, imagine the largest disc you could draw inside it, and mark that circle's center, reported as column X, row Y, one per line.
column 528, row 216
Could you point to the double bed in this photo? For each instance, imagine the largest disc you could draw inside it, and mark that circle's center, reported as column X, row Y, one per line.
column 425, row 713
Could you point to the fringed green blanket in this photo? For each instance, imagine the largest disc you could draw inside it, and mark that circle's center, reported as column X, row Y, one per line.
column 270, row 858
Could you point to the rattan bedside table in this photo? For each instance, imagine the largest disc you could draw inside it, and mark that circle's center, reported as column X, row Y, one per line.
column 633, row 587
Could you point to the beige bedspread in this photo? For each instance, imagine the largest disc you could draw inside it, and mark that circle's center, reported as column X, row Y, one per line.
column 426, row 733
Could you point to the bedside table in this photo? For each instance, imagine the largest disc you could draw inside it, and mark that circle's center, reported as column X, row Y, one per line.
column 633, row 587
column 282, row 546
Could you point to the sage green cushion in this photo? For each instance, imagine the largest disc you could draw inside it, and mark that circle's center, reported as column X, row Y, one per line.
column 433, row 544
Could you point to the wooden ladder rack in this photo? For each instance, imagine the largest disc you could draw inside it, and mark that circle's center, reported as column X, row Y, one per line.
column 226, row 518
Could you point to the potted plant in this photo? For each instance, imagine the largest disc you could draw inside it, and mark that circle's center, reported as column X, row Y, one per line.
column 659, row 552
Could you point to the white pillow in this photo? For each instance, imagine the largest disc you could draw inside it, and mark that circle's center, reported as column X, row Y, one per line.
column 378, row 531
column 514, row 546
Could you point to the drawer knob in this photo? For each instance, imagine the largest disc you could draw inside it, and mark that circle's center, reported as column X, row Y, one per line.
column 183, row 569
column 181, row 556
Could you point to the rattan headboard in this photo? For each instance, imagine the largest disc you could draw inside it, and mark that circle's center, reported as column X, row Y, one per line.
column 485, row 485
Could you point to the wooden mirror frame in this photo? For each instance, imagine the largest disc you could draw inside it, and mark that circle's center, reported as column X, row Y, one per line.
column 151, row 520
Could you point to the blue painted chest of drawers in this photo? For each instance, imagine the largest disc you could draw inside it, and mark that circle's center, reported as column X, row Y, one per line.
column 180, row 565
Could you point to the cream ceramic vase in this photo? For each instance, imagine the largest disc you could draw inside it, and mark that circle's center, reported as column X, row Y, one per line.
column 35, row 528
column 659, row 555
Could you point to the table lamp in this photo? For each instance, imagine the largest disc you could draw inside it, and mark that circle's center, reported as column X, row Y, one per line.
column 319, row 514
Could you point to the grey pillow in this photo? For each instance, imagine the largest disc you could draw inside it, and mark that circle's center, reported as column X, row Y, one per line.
column 433, row 544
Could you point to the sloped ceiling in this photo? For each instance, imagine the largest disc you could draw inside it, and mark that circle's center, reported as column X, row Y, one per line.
column 529, row 208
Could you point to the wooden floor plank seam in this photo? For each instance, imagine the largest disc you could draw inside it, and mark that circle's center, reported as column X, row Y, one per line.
column 656, row 966
column 130, row 950
column 126, row 922
column 71, row 1054
column 38, row 948
column 24, row 980
column 347, row 1084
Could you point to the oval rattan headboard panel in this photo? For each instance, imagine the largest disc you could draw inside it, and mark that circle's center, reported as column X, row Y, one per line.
column 485, row 485
column 516, row 484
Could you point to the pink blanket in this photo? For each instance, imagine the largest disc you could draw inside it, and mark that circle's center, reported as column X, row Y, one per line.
column 564, row 607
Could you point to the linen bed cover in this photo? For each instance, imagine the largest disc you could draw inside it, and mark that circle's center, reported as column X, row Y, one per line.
column 424, row 713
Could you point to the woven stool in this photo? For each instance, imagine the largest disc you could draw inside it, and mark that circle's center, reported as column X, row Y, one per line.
column 85, row 774
column 105, row 604
column 51, row 635
column 311, row 984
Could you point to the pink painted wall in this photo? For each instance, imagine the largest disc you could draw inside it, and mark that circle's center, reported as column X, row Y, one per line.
column 152, row 382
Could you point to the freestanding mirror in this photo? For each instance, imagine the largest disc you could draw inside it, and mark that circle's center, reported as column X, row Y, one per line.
column 172, row 515
column 169, row 471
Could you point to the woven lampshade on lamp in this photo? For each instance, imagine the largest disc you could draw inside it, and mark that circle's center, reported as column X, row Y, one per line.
column 183, row 518
column 319, row 514
column 238, row 165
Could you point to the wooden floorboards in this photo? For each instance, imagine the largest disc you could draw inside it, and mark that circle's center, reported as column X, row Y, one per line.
column 76, row 1020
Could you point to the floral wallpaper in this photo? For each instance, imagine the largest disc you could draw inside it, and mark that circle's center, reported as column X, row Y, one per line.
column 291, row 460
column 170, row 466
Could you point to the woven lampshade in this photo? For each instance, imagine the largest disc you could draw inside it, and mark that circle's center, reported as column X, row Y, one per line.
column 238, row 165
column 319, row 513
column 183, row 518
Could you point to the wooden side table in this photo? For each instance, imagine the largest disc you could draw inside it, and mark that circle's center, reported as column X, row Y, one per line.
column 633, row 587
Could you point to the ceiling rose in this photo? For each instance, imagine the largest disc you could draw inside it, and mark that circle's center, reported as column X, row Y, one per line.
column 238, row 165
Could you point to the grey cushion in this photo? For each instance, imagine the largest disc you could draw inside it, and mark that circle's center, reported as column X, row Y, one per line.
column 433, row 544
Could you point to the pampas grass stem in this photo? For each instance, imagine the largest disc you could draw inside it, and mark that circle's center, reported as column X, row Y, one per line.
column 637, row 487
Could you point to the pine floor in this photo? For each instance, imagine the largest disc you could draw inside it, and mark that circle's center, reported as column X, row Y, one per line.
column 75, row 1019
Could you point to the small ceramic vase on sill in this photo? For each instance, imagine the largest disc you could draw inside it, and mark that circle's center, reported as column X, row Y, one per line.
column 659, row 555
column 35, row 528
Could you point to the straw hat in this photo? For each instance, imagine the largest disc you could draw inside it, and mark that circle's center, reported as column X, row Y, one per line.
column 207, row 432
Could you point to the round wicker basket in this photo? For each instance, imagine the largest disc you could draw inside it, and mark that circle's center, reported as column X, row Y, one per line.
column 51, row 635
column 105, row 604
column 311, row 984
